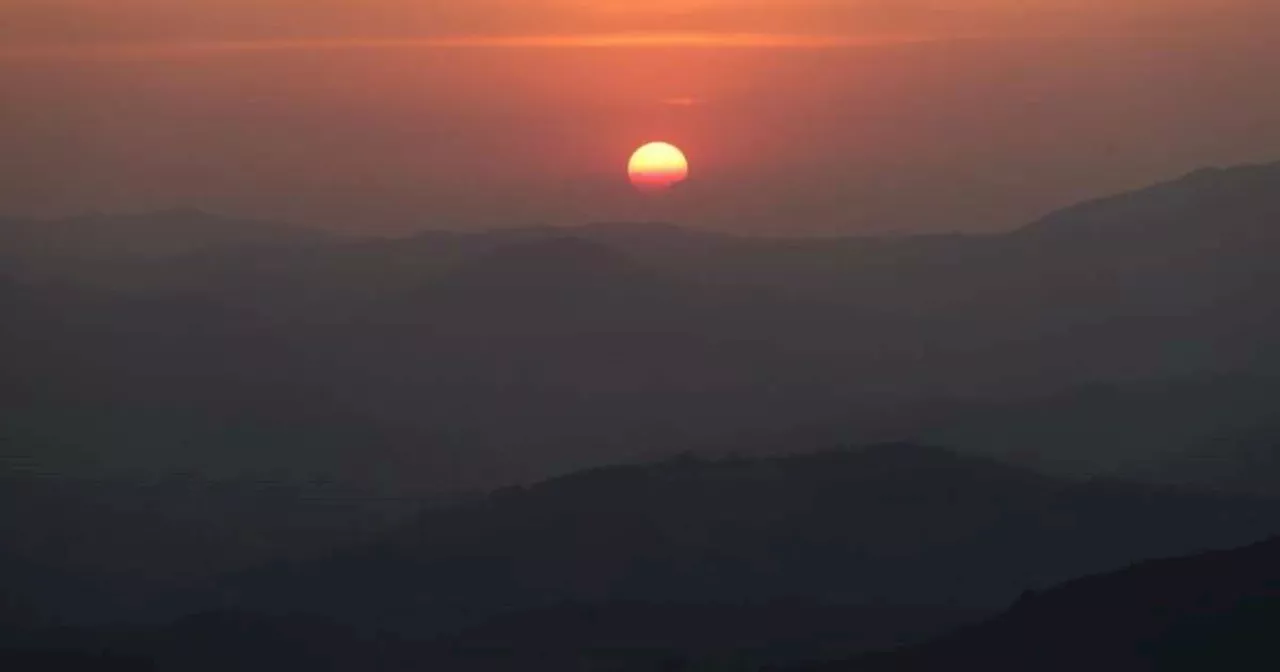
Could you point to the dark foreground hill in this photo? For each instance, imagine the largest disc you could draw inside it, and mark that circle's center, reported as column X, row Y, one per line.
column 1216, row 611
column 733, row 564
column 892, row 525
column 613, row 637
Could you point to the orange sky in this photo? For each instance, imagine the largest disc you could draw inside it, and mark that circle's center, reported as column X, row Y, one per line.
column 802, row 116
column 78, row 21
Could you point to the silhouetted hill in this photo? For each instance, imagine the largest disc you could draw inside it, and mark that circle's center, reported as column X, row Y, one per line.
column 243, row 353
column 471, row 360
column 540, row 260
column 76, row 550
column 555, row 274
column 1217, row 610
column 647, row 636
column 891, row 525
column 1213, row 611
column 1243, row 196
column 736, row 563
column 618, row 637
column 1206, row 432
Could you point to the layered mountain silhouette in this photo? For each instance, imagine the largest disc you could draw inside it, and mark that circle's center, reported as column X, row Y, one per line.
column 894, row 525
column 1212, row 611
column 472, row 360
column 741, row 564
column 616, row 637
column 1132, row 338
column 1212, row 432
column 78, row 549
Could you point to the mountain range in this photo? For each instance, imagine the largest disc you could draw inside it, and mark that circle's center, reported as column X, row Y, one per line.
column 739, row 564
column 1215, row 610
column 280, row 429
column 462, row 361
column 892, row 525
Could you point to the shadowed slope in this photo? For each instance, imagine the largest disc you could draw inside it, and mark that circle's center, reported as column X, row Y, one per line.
column 894, row 525
column 1213, row 611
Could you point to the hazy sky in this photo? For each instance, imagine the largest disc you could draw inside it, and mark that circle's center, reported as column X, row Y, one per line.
column 800, row 116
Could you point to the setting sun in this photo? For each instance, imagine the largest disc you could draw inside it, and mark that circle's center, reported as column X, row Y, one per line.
column 658, row 166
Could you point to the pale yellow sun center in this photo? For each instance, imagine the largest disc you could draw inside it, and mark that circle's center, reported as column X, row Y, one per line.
column 658, row 165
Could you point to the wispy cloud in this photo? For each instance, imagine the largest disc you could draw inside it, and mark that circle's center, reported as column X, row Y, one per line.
column 683, row 101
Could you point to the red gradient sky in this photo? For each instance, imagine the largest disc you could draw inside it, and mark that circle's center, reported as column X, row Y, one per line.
column 799, row 116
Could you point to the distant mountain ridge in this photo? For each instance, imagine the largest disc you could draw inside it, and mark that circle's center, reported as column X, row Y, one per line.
column 450, row 362
column 696, row 337
column 896, row 524
column 180, row 231
column 1167, row 202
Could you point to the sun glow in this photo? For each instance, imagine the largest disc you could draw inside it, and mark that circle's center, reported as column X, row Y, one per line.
column 658, row 166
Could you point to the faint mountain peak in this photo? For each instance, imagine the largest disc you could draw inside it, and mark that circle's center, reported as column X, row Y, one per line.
column 1209, row 200
column 904, row 463
column 1235, row 573
column 1202, row 173
column 1245, row 171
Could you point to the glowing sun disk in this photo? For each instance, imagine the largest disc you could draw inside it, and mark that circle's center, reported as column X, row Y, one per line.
column 658, row 166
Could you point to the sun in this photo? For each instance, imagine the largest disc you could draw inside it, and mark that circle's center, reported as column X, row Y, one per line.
column 657, row 166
